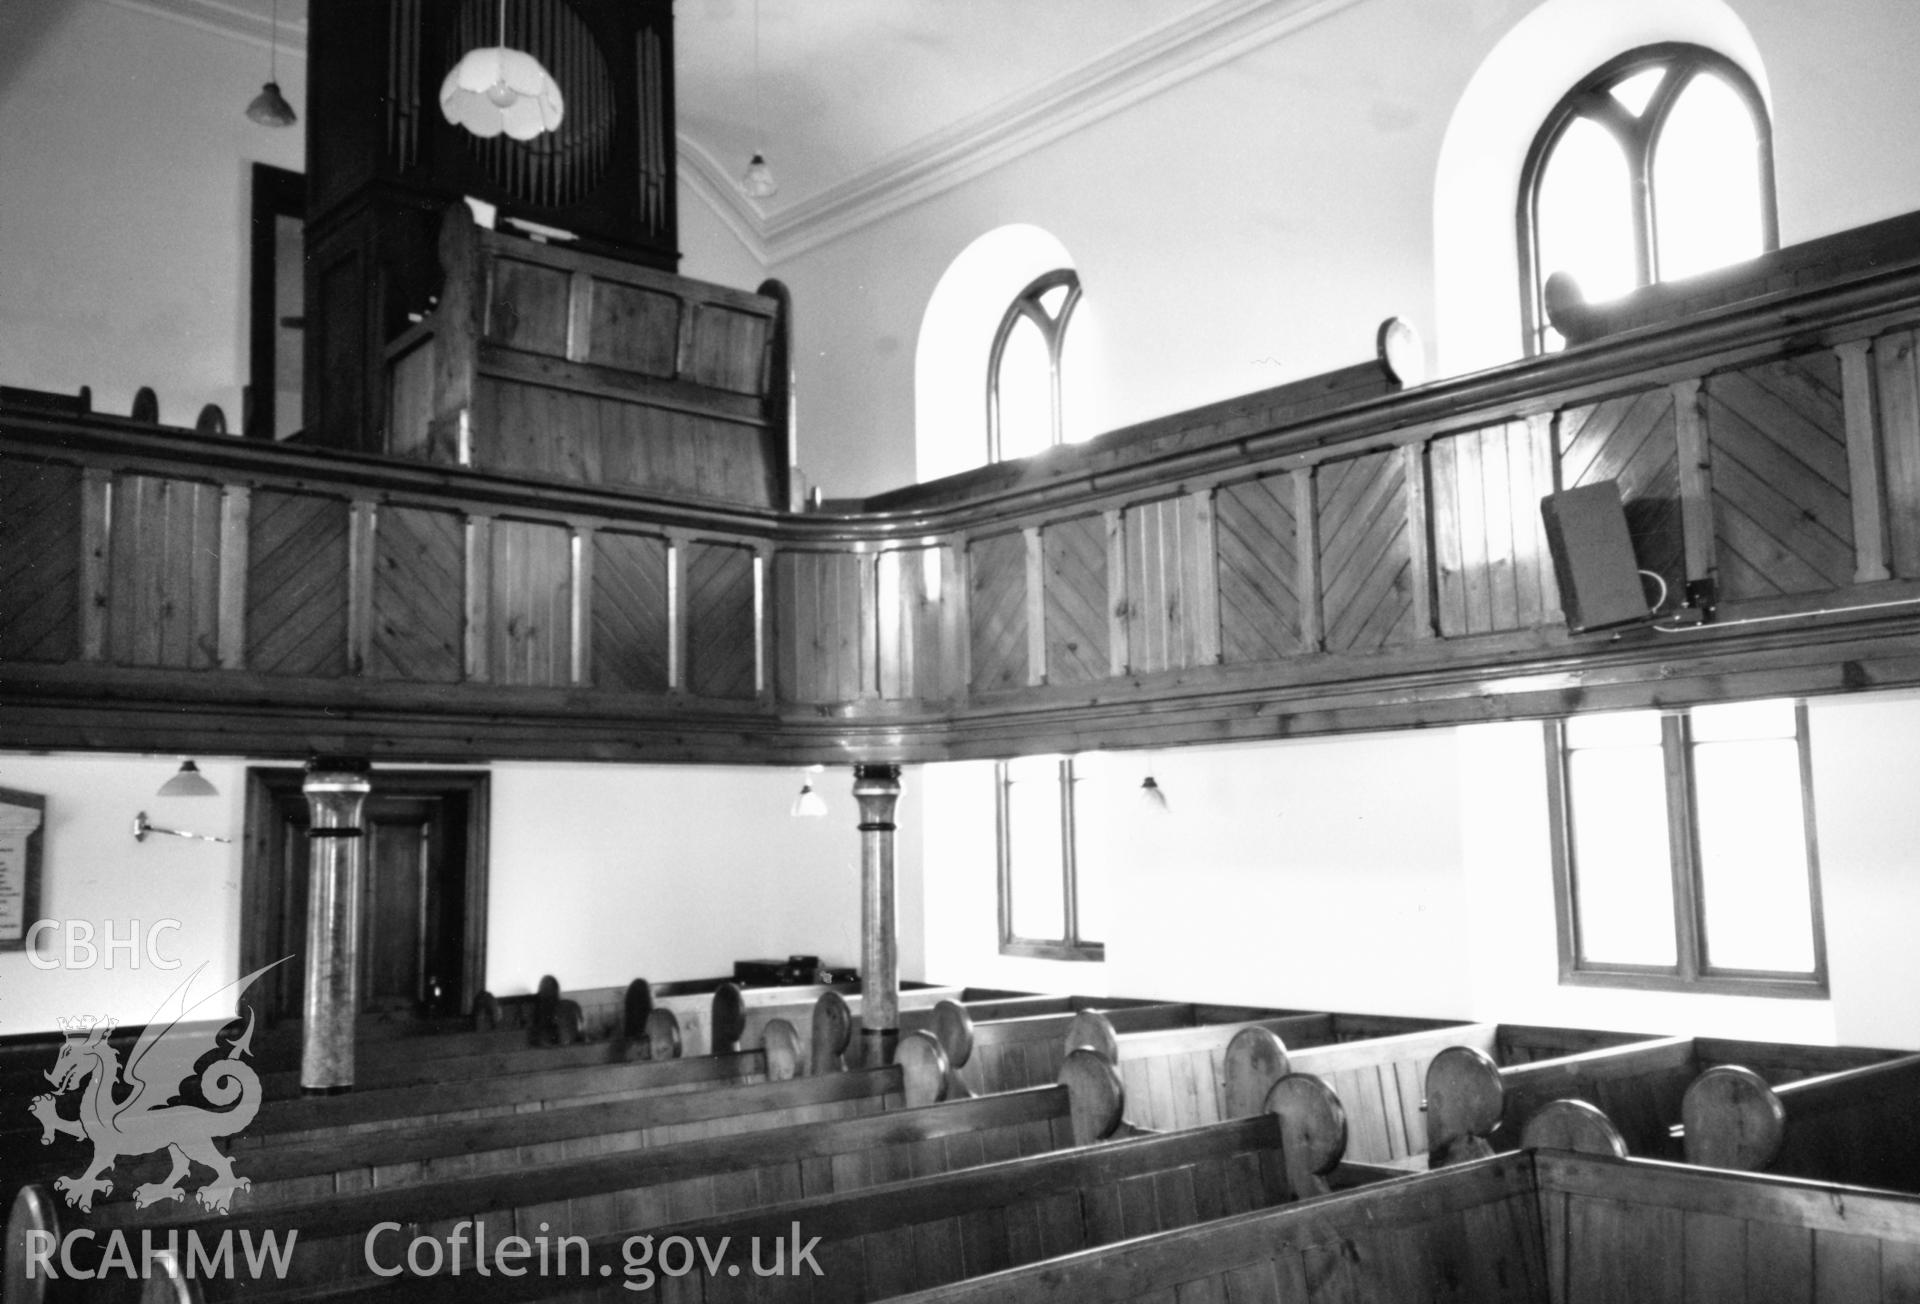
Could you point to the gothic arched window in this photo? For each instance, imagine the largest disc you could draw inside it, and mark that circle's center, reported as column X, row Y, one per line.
column 1658, row 165
column 1023, row 369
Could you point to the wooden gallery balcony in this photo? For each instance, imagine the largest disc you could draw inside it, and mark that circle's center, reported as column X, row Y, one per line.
column 1333, row 554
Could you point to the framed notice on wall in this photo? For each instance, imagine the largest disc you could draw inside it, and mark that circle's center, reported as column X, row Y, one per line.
column 21, row 817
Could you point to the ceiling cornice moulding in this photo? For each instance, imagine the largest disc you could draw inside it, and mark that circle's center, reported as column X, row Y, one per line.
column 234, row 21
column 937, row 163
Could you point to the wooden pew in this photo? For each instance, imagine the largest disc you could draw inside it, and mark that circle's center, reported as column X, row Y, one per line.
column 1546, row 1228
column 582, row 1197
column 1860, row 1126
column 1027, row 1049
column 1182, row 1077
column 1474, row 1105
column 694, row 1008
column 935, row 1230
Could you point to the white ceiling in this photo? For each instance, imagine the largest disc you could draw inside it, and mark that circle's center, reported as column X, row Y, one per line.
column 867, row 105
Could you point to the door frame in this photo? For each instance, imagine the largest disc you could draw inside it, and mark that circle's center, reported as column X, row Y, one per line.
column 268, row 785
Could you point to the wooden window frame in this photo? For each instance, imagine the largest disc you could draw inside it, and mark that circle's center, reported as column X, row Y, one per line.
column 1639, row 137
column 1053, row 330
column 1690, row 972
column 1071, row 946
column 276, row 193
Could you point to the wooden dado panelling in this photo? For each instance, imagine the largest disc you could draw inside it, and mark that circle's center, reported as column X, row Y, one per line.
column 1261, row 587
column 1366, row 558
column 1172, row 620
column 163, row 597
column 40, row 547
column 1491, row 567
column 420, row 595
column 919, row 601
column 722, row 606
column 1896, row 365
column 1075, row 611
column 298, row 591
column 826, row 611
column 997, row 611
column 631, row 612
column 1777, row 459
column 530, row 621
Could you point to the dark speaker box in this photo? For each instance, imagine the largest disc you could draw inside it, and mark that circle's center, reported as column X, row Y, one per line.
column 1593, row 557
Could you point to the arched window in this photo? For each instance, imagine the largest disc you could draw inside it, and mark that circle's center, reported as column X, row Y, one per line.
column 1658, row 165
column 1023, row 368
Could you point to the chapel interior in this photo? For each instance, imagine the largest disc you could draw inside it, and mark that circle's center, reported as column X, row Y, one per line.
column 1233, row 201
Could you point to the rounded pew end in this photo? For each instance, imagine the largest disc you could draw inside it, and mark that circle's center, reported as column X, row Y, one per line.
column 832, row 1030
column 33, row 1211
column 1098, row 1100
column 1256, row 1059
column 1465, row 1099
column 638, row 1006
column 166, row 1283
column 1092, row 1030
column 953, row 1025
column 1732, row 1119
column 783, row 1050
column 662, row 1035
column 1573, row 1125
column 924, row 1066
column 729, row 1018
column 1313, row 1130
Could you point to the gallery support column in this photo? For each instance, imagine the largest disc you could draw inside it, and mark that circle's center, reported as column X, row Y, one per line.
column 877, row 789
column 336, row 789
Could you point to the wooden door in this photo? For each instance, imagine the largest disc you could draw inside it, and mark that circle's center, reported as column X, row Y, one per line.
column 423, row 902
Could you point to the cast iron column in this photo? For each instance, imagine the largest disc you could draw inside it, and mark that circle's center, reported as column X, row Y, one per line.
column 336, row 789
column 877, row 789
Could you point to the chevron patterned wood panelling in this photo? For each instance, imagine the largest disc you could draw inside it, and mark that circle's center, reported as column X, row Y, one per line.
column 1896, row 359
column 997, row 611
column 39, row 561
column 530, row 625
column 164, row 573
column 419, row 595
column 913, row 609
column 1492, row 569
column 1259, row 570
column 1164, row 549
column 1075, row 588
column 1365, row 556
column 630, row 613
column 297, row 565
column 826, row 617
column 721, row 637
column 1782, row 499
column 1632, row 439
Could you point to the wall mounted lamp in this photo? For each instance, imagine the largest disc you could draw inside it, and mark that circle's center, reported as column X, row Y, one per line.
column 143, row 826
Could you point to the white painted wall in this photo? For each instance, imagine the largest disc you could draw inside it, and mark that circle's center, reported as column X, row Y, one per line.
column 599, row 874
column 1411, row 873
column 124, row 215
column 1254, row 224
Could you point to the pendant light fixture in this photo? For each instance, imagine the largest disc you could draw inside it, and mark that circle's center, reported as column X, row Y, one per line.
column 1151, row 795
column 188, row 782
column 270, row 108
column 809, row 804
column 758, row 180
column 498, row 89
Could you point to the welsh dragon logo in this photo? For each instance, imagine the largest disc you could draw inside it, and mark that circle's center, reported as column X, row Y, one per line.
column 135, row 1110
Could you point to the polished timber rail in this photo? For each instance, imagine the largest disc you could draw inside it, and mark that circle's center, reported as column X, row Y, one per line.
column 1332, row 555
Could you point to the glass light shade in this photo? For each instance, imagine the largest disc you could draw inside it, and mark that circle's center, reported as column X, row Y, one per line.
column 809, row 804
column 270, row 108
column 758, row 180
column 497, row 90
column 189, row 782
column 1151, row 795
